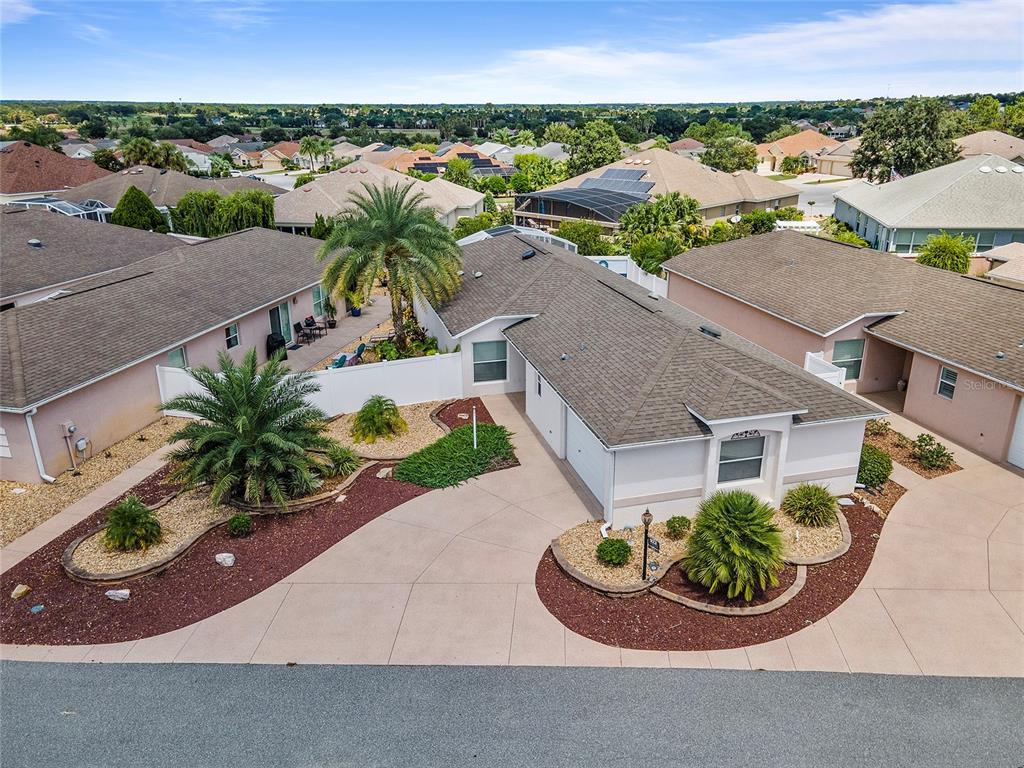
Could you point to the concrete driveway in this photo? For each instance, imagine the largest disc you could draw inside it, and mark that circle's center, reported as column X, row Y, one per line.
column 820, row 194
column 448, row 578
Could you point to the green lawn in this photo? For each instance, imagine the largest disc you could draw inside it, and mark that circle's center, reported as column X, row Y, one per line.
column 452, row 459
column 782, row 177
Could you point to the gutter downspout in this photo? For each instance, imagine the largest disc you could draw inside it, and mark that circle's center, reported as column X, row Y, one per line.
column 35, row 447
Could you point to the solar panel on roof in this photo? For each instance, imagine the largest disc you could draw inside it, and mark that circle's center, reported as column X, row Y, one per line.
column 623, row 173
column 467, row 154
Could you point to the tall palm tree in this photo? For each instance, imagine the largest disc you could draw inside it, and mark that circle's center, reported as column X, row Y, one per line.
column 256, row 436
column 392, row 233
column 315, row 148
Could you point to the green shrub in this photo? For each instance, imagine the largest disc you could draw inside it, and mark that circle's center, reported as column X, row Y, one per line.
column 734, row 545
column 379, row 417
column 678, row 526
column 452, row 460
column 613, row 552
column 239, row 525
column 131, row 525
column 877, row 428
column 810, row 504
column 930, row 453
column 875, row 466
column 386, row 350
column 342, row 460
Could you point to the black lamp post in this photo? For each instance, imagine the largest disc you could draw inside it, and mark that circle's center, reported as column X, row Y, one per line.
column 647, row 519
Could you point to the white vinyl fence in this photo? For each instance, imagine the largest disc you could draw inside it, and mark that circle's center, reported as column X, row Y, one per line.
column 652, row 283
column 416, row 380
column 833, row 374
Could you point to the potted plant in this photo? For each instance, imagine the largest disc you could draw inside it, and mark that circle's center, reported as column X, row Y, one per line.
column 355, row 303
column 331, row 311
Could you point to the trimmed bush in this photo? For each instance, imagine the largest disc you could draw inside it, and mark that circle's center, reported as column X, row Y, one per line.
column 342, row 460
column 810, row 504
column 379, row 417
column 734, row 545
column 239, row 525
column 678, row 526
column 877, row 428
column 452, row 460
column 131, row 525
column 613, row 552
column 930, row 453
column 875, row 466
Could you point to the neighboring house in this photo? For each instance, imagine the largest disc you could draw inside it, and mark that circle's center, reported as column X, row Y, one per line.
column 89, row 357
column 44, row 255
column 604, row 194
column 490, row 148
column 508, row 155
column 944, row 348
column 835, row 161
column 196, row 152
column 331, row 194
column 806, row 144
column 343, row 149
column 649, row 404
column 992, row 143
column 273, row 158
column 838, row 132
column 79, row 150
column 27, row 171
column 553, row 151
column 982, row 197
column 222, row 142
column 804, row 125
column 687, row 147
column 193, row 144
column 1007, row 265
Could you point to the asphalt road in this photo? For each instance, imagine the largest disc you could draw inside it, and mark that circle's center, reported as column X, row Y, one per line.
column 226, row 715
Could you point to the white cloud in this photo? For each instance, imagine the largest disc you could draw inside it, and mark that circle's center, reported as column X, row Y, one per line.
column 90, row 33
column 17, row 11
column 234, row 14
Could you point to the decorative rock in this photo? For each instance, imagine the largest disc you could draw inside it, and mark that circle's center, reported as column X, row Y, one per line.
column 386, row 472
column 859, row 486
column 37, row 608
column 654, row 566
column 340, row 498
column 18, row 490
column 225, row 558
column 463, row 415
column 118, row 595
column 844, row 502
column 20, row 591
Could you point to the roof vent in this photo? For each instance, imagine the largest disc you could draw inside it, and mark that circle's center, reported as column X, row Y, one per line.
column 461, row 273
column 35, row 243
column 529, row 254
column 710, row 330
column 985, row 169
column 1000, row 169
column 627, row 161
column 564, row 357
column 1000, row 355
column 1017, row 169
column 478, row 274
column 647, row 162
column 652, row 295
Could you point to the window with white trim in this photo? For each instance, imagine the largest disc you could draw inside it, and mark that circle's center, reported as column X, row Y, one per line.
column 490, row 361
column 318, row 301
column 947, row 383
column 740, row 459
column 231, row 336
column 176, row 358
column 849, row 354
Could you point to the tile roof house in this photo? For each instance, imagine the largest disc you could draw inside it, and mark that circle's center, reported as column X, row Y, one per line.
column 330, row 194
column 923, row 340
column 804, row 144
column 992, row 143
column 602, row 195
column 27, row 171
column 45, row 253
column 980, row 196
column 89, row 357
column 273, row 157
column 647, row 402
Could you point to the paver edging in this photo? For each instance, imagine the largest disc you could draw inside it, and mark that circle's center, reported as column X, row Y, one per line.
column 80, row 574
column 842, row 549
column 433, row 417
column 629, row 590
column 751, row 610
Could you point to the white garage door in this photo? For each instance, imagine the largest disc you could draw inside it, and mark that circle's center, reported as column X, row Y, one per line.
column 1016, row 455
column 585, row 454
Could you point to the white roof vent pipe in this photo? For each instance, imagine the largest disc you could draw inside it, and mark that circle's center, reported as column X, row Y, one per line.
column 985, row 169
column 1000, row 169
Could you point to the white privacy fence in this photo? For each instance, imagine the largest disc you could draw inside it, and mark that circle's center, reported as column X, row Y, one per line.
column 652, row 283
column 833, row 374
column 344, row 390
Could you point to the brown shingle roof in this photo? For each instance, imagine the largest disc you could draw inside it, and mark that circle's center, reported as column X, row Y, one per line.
column 72, row 248
column 634, row 365
column 991, row 142
column 26, row 167
column 193, row 144
column 823, row 285
column 805, row 141
column 145, row 308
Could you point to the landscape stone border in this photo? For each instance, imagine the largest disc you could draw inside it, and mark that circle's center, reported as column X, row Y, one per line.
column 610, row 590
column 839, row 551
column 433, row 417
column 751, row 610
column 80, row 574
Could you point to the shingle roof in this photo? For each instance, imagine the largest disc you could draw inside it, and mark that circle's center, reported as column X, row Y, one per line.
column 26, row 167
column 960, row 195
column 634, row 365
column 164, row 187
column 823, row 285
column 991, row 142
column 685, row 143
column 330, row 194
column 675, row 173
column 805, row 141
column 145, row 308
column 72, row 248
column 193, row 144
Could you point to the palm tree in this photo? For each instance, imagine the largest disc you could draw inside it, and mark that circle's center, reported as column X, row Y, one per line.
column 502, row 135
column 392, row 233
column 256, row 436
column 315, row 148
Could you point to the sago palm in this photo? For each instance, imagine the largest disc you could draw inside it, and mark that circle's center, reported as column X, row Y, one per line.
column 392, row 232
column 256, row 437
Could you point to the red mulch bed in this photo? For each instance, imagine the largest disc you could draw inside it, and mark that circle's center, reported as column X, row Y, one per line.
column 450, row 413
column 193, row 587
column 654, row 623
column 676, row 581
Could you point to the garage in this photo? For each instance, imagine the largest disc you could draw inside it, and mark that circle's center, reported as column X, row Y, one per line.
column 585, row 454
column 1016, row 453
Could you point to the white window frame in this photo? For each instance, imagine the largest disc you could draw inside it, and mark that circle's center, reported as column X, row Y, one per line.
column 318, row 301
column 484, row 362
column 230, row 335
column 843, row 362
column 945, row 380
column 760, row 459
column 184, row 357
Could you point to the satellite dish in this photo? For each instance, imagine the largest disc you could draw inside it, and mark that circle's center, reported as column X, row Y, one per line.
column 735, row 219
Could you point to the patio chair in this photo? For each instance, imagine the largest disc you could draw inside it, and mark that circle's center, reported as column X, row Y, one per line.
column 301, row 332
column 314, row 327
column 358, row 356
column 339, row 362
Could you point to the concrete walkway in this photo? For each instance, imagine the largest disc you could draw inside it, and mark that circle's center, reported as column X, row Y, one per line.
column 448, row 578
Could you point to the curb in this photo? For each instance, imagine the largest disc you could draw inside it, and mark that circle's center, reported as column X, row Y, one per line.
column 839, row 551
column 753, row 610
column 628, row 590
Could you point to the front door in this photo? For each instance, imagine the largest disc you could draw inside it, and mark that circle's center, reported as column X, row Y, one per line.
column 281, row 321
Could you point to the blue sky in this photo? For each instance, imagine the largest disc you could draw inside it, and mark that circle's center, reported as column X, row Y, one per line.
column 532, row 52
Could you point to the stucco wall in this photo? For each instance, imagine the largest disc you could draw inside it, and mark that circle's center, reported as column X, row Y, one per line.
column 546, row 410
column 826, row 454
column 979, row 417
column 882, row 368
column 667, row 479
column 516, row 368
column 20, row 464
